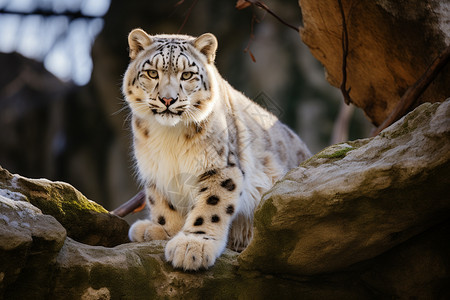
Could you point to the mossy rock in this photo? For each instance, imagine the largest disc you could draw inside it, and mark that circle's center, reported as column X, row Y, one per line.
column 84, row 220
column 355, row 200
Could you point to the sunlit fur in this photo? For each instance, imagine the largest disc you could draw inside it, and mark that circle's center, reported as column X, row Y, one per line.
column 208, row 156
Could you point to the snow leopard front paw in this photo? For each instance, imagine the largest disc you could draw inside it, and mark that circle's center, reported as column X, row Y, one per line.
column 145, row 231
column 192, row 251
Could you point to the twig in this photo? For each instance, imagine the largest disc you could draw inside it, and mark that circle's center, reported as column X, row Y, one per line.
column 266, row 8
column 252, row 37
column 71, row 15
column 412, row 94
column 188, row 14
column 343, row 87
column 240, row 5
column 135, row 204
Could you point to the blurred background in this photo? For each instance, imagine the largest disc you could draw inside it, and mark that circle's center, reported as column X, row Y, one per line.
column 62, row 115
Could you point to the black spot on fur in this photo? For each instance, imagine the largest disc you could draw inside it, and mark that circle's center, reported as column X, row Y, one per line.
column 215, row 219
column 199, row 232
column 198, row 128
column 138, row 99
column 171, row 207
column 203, row 81
column 212, row 200
column 193, row 258
column 230, row 209
column 161, row 220
column 138, row 123
column 150, row 199
column 207, row 174
column 220, row 151
column 198, row 222
column 203, row 189
column 228, row 184
column 231, row 159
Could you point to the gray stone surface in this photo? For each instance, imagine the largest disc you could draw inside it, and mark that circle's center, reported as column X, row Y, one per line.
column 84, row 220
column 356, row 200
column 29, row 243
column 360, row 220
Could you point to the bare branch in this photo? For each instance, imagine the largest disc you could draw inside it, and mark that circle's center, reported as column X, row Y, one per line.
column 343, row 87
column 135, row 204
column 240, row 5
column 252, row 37
column 49, row 13
column 412, row 94
column 189, row 12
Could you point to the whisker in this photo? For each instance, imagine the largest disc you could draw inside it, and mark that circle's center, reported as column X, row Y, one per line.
column 192, row 113
column 125, row 107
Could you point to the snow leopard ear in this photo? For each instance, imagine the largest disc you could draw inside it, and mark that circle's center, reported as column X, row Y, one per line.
column 207, row 44
column 138, row 39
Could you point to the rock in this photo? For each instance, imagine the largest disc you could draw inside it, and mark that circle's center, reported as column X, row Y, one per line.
column 416, row 269
column 357, row 200
column 84, row 220
column 29, row 243
column 391, row 44
column 37, row 261
column 138, row 271
column 360, row 220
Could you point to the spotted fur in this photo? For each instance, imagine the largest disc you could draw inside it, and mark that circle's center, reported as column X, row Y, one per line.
column 204, row 151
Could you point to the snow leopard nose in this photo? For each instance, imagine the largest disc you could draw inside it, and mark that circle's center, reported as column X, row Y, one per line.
column 167, row 101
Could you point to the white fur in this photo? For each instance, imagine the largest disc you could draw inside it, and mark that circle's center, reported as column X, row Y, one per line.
column 225, row 134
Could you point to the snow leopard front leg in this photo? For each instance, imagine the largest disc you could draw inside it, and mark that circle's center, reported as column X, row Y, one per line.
column 165, row 221
column 204, row 235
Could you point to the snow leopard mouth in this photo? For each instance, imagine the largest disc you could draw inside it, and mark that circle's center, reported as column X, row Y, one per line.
column 167, row 112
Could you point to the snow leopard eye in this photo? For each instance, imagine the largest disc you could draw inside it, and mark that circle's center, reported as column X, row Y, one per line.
column 186, row 75
column 152, row 74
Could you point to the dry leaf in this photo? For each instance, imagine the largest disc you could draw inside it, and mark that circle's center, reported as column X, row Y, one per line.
column 241, row 4
column 251, row 55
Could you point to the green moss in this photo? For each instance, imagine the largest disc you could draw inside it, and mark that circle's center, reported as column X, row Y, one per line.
column 58, row 199
column 334, row 152
column 338, row 154
column 72, row 198
column 263, row 216
column 411, row 121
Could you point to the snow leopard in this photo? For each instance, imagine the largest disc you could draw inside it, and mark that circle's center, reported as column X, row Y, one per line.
column 204, row 152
